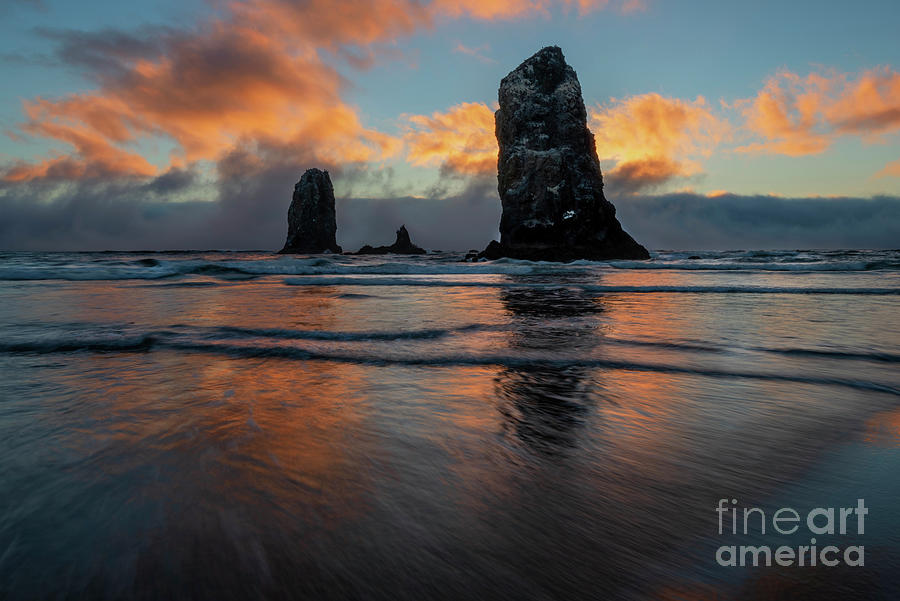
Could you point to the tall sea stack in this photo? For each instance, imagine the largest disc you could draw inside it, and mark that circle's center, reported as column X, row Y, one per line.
column 548, row 173
column 311, row 221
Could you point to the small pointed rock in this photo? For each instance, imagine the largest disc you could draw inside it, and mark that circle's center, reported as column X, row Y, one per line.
column 402, row 246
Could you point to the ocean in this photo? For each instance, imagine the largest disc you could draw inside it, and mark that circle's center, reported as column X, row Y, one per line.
column 244, row 425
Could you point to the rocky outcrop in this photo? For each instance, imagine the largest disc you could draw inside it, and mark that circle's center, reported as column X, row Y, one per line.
column 311, row 220
column 549, row 177
column 403, row 246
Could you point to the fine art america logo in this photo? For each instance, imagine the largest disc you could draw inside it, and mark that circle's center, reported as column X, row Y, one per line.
column 821, row 521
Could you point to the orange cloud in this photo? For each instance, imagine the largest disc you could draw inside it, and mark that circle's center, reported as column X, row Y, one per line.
column 85, row 125
column 254, row 77
column 633, row 6
column 460, row 140
column 649, row 137
column 652, row 139
column 93, row 158
column 892, row 169
column 331, row 24
column 869, row 106
column 232, row 84
column 511, row 9
column 490, row 9
column 643, row 173
column 803, row 115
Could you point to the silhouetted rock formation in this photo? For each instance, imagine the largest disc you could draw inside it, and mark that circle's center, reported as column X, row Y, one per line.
column 548, row 171
column 403, row 246
column 311, row 221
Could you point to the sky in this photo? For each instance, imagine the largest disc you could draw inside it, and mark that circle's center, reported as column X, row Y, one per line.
column 185, row 123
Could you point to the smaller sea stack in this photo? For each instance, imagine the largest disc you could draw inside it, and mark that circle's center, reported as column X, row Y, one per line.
column 311, row 220
column 402, row 246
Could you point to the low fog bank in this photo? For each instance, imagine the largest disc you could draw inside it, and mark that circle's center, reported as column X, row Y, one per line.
column 456, row 223
column 173, row 212
column 694, row 222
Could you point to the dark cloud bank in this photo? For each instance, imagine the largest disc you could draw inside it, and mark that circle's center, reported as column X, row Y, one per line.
column 173, row 211
column 690, row 221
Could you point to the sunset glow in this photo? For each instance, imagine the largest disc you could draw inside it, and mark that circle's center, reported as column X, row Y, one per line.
column 427, row 300
column 396, row 98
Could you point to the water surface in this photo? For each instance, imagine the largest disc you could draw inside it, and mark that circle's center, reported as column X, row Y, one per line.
column 247, row 425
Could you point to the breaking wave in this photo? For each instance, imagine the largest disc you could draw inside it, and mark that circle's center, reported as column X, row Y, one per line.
column 238, row 332
column 244, row 342
column 153, row 269
column 238, row 266
column 372, row 281
column 719, row 265
column 149, row 342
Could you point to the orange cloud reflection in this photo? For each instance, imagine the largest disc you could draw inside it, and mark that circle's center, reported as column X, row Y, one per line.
column 883, row 430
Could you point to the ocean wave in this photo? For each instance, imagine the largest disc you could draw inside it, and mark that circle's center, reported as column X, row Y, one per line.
column 81, row 273
column 600, row 289
column 188, row 284
column 700, row 346
column 154, row 269
column 715, row 264
column 80, row 344
column 288, row 334
column 148, row 342
column 89, row 336
column 830, row 354
column 98, row 266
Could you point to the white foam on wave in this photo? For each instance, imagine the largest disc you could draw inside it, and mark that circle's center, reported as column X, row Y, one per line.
column 441, row 283
column 289, row 267
column 79, row 273
column 164, row 342
column 89, row 268
column 718, row 265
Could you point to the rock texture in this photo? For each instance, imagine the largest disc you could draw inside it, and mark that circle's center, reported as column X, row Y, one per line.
column 311, row 220
column 402, row 246
column 548, row 174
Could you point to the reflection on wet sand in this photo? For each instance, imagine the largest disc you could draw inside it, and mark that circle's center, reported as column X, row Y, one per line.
column 545, row 405
column 883, row 430
column 168, row 474
column 666, row 455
